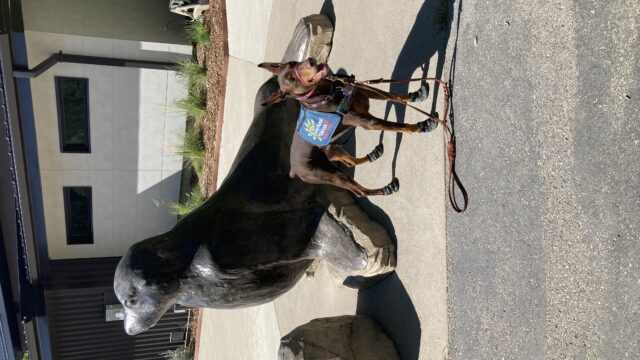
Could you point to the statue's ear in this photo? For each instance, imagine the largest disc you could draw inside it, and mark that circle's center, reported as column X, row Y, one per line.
column 277, row 96
column 271, row 67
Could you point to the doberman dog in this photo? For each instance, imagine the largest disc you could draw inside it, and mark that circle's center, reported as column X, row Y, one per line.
column 307, row 82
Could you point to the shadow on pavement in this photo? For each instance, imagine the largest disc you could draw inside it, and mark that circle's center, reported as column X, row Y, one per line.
column 389, row 304
column 428, row 37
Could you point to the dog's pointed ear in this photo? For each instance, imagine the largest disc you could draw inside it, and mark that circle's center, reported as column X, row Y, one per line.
column 271, row 67
column 277, row 96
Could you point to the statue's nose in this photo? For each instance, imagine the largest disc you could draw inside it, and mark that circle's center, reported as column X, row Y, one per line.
column 132, row 325
column 132, row 328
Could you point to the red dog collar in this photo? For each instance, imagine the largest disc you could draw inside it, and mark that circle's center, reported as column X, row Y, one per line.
column 319, row 75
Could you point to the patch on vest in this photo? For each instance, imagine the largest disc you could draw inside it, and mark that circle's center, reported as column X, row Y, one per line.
column 316, row 127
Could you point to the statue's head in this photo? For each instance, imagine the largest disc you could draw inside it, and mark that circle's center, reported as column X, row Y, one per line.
column 146, row 282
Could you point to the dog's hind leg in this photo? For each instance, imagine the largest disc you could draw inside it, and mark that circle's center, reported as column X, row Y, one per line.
column 311, row 165
column 342, row 180
column 370, row 122
column 338, row 153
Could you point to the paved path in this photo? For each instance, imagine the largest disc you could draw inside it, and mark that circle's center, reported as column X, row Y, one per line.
column 545, row 263
column 397, row 38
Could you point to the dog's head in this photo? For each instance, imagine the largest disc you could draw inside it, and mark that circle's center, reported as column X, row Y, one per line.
column 146, row 283
column 295, row 78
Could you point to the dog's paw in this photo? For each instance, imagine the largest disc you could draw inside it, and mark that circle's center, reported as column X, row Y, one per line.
column 392, row 188
column 428, row 125
column 421, row 94
column 376, row 153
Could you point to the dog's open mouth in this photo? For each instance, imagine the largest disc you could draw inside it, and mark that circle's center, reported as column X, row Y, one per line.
column 322, row 72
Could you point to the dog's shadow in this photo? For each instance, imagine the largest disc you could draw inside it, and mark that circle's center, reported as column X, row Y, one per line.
column 428, row 37
column 388, row 302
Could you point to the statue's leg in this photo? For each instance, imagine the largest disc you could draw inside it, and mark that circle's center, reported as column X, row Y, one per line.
column 334, row 243
column 359, row 248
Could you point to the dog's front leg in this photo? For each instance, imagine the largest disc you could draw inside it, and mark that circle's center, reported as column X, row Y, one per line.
column 338, row 153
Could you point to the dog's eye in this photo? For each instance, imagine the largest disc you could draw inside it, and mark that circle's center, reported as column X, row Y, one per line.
column 291, row 78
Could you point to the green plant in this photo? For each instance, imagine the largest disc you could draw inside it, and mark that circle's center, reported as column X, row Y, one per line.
column 192, row 149
column 195, row 106
column 198, row 33
column 180, row 353
column 194, row 74
column 193, row 199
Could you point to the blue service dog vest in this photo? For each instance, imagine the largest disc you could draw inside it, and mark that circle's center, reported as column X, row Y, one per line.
column 317, row 127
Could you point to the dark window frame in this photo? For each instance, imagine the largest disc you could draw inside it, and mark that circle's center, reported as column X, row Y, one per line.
column 73, row 148
column 71, row 240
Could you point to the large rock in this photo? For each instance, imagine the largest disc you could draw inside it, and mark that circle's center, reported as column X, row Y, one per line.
column 311, row 38
column 343, row 337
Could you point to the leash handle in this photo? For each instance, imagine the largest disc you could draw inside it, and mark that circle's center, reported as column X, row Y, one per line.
column 449, row 139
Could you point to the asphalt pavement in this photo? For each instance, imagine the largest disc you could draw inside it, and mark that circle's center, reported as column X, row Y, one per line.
column 546, row 105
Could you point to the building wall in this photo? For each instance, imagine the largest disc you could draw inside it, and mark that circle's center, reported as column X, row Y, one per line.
column 141, row 20
column 134, row 130
column 75, row 301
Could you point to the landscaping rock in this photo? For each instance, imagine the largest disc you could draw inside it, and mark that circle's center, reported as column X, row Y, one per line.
column 344, row 337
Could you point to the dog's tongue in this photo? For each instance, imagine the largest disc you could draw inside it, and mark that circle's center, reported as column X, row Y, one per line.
column 320, row 74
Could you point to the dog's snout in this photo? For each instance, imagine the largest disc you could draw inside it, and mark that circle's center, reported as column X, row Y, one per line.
column 312, row 61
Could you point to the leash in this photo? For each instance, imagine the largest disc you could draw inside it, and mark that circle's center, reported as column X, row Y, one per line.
column 450, row 140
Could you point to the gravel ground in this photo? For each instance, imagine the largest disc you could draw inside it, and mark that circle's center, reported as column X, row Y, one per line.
column 212, row 57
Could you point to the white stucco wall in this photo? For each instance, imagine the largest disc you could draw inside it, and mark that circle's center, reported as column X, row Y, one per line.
column 134, row 128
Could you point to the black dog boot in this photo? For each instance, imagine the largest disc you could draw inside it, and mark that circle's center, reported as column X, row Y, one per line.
column 376, row 153
column 393, row 187
column 428, row 125
column 420, row 95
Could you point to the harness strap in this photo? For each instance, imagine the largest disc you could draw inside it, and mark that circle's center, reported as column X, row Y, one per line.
column 449, row 139
column 323, row 100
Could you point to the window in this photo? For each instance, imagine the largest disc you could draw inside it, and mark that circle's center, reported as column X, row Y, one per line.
column 77, row 209
column 73, row 114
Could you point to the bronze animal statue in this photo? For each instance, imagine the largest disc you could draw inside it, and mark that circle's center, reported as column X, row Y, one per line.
column 254, row 238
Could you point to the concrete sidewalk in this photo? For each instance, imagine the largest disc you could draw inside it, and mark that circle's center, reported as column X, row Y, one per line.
column 390, row 38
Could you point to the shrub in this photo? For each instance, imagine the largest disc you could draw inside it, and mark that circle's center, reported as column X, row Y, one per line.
column 192, row 149
column 195, row 106
column 198, row 33
column 194, row 74
column 194, row 199
column 180, row 353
